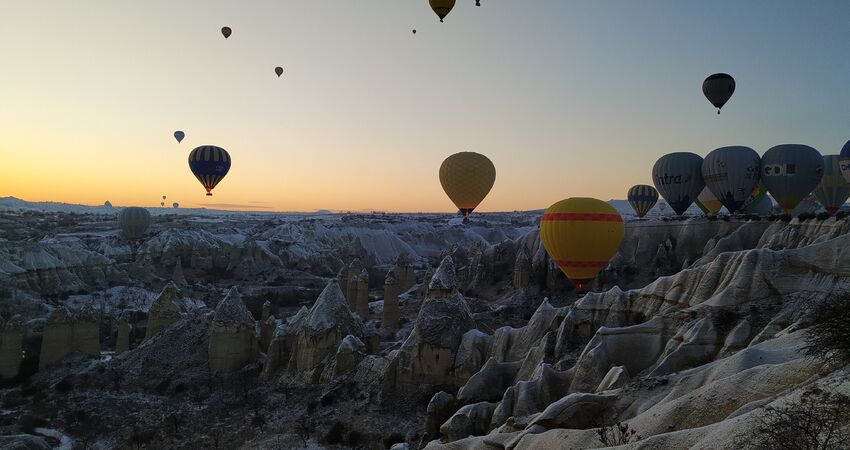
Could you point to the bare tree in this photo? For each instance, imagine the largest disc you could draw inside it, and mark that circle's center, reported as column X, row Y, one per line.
column 617, row 434
column 827, row 337
column 819, row 421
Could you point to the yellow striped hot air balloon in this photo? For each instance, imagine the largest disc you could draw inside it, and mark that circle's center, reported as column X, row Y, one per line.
column 581, row 235
column 467, row 178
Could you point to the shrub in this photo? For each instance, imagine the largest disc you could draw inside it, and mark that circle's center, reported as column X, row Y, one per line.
column 827, row 337
column 617, row 434
column 818, row 421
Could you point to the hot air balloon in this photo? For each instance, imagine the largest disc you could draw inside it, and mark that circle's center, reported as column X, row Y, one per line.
column 718, row 88
column 708, row 203
column 175, row 205
column 414, row 31
column 791, row 172
column 162, row 204
column 755, row 198
column 467, row 177
column 279, row 71
column 179, row 135
column 845, row 161
column 678, row 178
column 581, row 235
column 442, row 7
column 477, row 2
column 731, row 173
column 134, row 221
column 209, row 164
column 642, row 198
column 226, row 31
column 833, row 190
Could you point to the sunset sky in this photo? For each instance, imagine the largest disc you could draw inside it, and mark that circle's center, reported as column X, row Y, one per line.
column 567, row 98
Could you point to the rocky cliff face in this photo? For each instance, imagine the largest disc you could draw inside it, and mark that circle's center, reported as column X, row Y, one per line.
column 676, row 360
column 233, row 342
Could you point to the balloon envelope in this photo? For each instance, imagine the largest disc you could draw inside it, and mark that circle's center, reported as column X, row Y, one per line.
column 708, row 203
column 678, row 178
column 642, row 198
column 845, row 161
column 467, row 178
column 581, row 235
column 209, row 164
column 179, row 135
column 442, row 7
column 134, row 221
column 278, row 70
column 731, row 173
column 718, row 89
column 175, row 205
column 791, row 172
column 833, row 190
column 226, row 31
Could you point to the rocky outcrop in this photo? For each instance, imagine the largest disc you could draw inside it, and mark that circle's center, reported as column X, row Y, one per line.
column 11, row 347
column 522, row 270
column 444, row 282
column 65, row 333
column 232, row 340
column 392, row 289
column 164, row 311
column 427, row 360
column 361, row 294
column 310, row 338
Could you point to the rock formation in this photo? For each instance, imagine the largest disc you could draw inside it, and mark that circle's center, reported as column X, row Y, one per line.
column 309, row 338
column 65, row 333
column 427, row 360
column 122, row 340
column 392, row 289
column 522, row 270
column 444, row 281
column 232, row 340
column 361, row 294
column 163, row 312
column 11, row 347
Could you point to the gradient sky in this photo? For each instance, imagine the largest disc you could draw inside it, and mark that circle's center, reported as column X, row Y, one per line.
column 567, row 98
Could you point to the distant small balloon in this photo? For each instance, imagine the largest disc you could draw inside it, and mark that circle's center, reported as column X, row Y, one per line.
column 226, row 31
column 278, row 70
column 162, row 204
column 477, row 2
column 163, row 197
column 175, row 205
column 179, row 135
column 414, row 31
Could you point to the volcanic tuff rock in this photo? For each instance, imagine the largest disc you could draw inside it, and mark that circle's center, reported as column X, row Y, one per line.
column 309, row 338
column 686, row 352
column 163, row 312
column 65, row 333
column 232, row 340
column 11, row 346
column 427, row 358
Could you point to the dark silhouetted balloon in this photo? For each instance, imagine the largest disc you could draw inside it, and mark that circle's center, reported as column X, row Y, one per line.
column 175, row 205
column 134, row 221
column 642, row 198
column 718, row 89
column 226, row 31
column 678, row 178
column 442, row 7
column 414, row 31
column 791, row 172
column 209, row 164
column 179, row 135
column 278, row 70
column 833, row 190
column 731, row 173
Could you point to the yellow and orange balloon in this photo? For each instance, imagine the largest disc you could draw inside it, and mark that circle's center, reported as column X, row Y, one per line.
column 581, row 235
column 467, row 178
